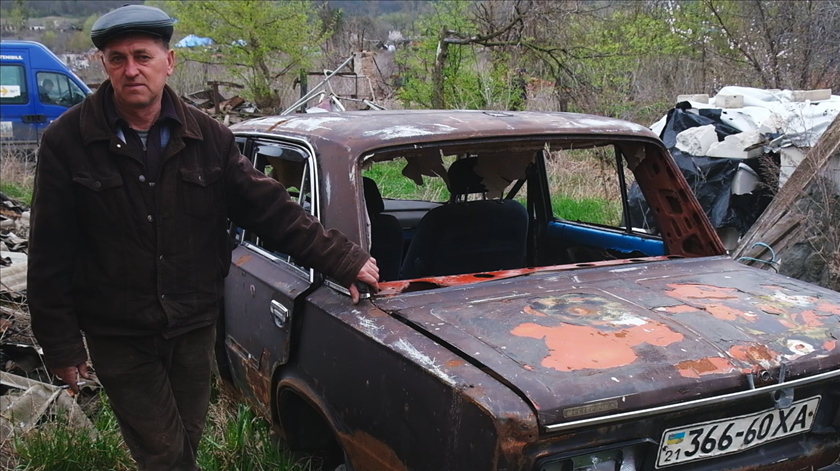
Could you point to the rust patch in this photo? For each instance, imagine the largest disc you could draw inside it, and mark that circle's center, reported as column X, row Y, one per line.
column 242, row 260
column 829, row 345
column 811, row 319
column 829, row 308
column 771, row 309
column 528, row 367
column 575, row 347
column 704, row 366
column 369, row 454
column 726, row 313
column 533, row 312
column 753, row 353
column 455, row 363
column 694, row 291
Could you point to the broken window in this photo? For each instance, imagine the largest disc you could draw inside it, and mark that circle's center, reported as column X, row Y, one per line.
column 291, row 166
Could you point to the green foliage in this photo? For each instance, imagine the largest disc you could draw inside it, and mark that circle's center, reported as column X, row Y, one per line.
column 57, row 446
column 471, row 81
column 257, row 41
column 234, row 439
column 392, row 184
column 592, row 210
column 243, row 443
column 17, row 191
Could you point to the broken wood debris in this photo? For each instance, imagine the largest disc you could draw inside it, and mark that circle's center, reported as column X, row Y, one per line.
column 20, row 413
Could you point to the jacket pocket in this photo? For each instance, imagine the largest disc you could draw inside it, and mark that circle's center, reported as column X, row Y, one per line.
column 198, row 191
column 98, row 184
column 101, row 201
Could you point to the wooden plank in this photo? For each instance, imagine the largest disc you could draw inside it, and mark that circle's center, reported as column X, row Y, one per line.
column 816, row 160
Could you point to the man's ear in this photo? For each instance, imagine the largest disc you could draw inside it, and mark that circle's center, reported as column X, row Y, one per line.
column 170, row 59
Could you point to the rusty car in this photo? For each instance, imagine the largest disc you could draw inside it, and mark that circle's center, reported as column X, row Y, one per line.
column 508, row 335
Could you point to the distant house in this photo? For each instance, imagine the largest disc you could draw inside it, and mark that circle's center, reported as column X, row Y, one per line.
column 76, row 61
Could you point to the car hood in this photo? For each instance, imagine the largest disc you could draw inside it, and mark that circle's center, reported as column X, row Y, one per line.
column 599, row 341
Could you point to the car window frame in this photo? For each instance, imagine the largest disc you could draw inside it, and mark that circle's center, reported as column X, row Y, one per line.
column 249, row 145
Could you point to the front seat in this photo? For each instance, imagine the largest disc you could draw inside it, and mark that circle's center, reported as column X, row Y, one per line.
column 386, row 234
column 468, row 236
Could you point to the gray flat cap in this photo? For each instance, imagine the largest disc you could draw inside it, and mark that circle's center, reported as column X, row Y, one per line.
column 131, row 19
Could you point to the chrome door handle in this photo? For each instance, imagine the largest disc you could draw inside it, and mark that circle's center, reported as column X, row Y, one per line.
column 280, row 313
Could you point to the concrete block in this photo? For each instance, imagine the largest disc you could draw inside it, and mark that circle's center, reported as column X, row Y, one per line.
column 697, row 140
column 729, row 101
column 791, row 157
column 733, row 147
column 812, row 95
column 697, row 98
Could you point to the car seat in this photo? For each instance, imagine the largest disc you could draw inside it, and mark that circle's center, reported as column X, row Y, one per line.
column 468, row 236
column 386, row 233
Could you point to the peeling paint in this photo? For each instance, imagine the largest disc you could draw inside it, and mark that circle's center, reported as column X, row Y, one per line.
column 422, row 359
column 574, row 347
column 704, row 366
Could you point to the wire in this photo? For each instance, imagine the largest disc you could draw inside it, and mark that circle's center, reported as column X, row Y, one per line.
column 773, row 262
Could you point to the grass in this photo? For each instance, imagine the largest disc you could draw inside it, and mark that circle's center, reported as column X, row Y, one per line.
column 57, row 446
column 235, row 438
column 17, row 173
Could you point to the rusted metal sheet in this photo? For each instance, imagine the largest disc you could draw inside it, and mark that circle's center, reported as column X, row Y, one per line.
column 605, row 340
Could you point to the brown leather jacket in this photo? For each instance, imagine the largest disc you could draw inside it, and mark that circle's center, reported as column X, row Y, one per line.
column 101, row 260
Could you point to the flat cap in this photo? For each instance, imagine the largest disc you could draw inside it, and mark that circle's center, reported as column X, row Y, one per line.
column 131, row 19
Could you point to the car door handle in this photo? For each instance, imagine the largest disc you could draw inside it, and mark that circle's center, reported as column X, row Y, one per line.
column 34, row 118
column 280, row 313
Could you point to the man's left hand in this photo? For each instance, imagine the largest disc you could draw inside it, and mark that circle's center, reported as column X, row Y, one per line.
column 369, row 275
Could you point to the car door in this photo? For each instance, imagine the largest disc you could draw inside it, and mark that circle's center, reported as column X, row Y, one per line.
column 55, row 99
column 18, row 121
column 264, row 284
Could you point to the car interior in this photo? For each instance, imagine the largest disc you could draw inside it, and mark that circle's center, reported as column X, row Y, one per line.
column 496, row 211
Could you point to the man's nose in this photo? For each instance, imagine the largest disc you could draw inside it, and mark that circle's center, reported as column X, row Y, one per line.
column 131, row 69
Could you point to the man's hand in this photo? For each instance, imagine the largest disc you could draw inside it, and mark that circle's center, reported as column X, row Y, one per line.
column 70, row 375
column 369, row 275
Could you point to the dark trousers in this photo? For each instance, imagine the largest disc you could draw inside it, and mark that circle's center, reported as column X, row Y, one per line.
column 159, row 390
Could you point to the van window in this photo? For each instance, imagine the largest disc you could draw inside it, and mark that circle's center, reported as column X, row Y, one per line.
column 58, row 89
column 13, row 82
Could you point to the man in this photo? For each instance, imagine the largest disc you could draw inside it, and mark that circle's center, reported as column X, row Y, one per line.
column 45, row 92
column 128, row 240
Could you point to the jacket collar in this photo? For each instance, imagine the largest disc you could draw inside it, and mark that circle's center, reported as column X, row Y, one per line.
column 94, row 125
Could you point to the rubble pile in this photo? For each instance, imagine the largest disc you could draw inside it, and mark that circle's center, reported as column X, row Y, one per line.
column 28, row 395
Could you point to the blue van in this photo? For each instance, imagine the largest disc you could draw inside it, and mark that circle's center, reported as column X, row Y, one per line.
column 35, row 88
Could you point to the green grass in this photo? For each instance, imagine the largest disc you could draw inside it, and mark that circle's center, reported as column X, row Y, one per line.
column 592, row 210
column 56, row 446
column 234, row 439
column 17, row 192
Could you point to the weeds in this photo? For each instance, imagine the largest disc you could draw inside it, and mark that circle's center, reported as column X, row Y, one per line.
column 17, row 173
column 234, row 439
column 57, row 446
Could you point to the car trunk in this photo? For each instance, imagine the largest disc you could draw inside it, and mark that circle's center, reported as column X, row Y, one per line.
column 600, row 341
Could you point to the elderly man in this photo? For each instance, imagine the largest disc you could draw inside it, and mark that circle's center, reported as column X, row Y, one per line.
column 128, row 241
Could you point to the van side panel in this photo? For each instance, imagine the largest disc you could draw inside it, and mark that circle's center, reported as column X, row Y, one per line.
column 16, row 105
column 35, row 89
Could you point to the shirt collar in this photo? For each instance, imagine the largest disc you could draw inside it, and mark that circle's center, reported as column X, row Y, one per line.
column 115, row 122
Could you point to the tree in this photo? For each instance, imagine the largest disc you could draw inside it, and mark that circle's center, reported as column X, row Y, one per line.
column 257, row 41
column 787, row 43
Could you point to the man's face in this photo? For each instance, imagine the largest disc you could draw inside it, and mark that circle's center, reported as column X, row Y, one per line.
column 138, row 66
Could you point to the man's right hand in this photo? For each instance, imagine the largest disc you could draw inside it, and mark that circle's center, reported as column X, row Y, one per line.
column 70, row 375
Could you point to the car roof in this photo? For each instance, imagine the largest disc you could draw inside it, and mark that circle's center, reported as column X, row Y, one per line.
column 358, row 132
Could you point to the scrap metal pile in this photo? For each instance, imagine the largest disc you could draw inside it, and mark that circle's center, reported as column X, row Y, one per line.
column 28, row 395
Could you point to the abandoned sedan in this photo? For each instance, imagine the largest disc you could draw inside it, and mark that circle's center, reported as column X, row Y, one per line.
column 511, row 334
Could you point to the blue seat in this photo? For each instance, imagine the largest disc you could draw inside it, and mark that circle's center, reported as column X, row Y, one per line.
column 468, row 236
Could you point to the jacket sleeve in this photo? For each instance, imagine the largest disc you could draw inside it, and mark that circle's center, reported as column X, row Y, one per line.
column 259, row 203
column 53, row 242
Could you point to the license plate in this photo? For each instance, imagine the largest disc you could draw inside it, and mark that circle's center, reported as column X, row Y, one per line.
column 721, row 437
